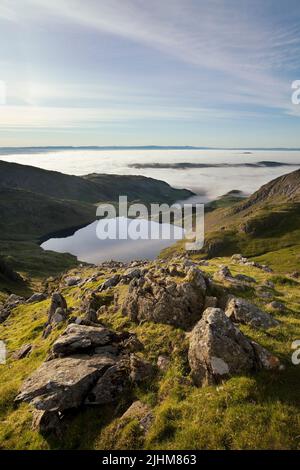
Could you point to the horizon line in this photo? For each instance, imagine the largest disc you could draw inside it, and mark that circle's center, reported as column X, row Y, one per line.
column 49, row 148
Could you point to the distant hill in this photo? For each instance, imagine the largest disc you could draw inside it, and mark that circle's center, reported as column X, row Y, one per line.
column 92, row 188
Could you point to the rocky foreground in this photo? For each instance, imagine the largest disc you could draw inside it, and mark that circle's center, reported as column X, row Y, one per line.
column 91, row 364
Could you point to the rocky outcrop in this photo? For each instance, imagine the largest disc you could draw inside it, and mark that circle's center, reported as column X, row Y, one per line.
column 47, row 422
column 163, row 363
column 132, row 273
column 162, row 300
column 238, row 258
column 62, row 384
column 218, row 350
column 24, row 351
column 244, row 278
column 12, row 302
column 241, row 311
column 72, row 281
column 58, row 309
column 111, row 386
column 240, row 280
column 277, row 306
column 87, row 366
column 224, row 274
column 79, row 338
column 36, row 297
column 140, row 370
column 111, row 282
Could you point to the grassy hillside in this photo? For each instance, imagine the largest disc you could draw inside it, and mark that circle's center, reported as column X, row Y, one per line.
column 247, row 412
column 28, row 216
column 267, row 221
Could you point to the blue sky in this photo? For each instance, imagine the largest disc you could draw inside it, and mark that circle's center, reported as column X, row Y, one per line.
column 138, row 72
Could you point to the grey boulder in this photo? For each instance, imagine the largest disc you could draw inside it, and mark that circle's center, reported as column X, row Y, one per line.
column 62, row 384
column 218, row 350
column 241, row 311
column 72, row 281
column 111, row 282
column 78, row 338
column 37, row 297
column 165, row 301
column 111, row 386
column 57, row 302
column 24, row 351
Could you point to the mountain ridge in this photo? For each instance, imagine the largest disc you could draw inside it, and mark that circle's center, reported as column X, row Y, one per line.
column 89, row 188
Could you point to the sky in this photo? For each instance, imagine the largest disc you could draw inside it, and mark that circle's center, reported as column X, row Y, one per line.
column 141, row 72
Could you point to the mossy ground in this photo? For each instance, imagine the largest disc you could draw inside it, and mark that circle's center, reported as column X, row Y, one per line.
column 247, row 412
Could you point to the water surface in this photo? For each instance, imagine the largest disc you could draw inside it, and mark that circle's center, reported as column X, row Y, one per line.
column 85, row 244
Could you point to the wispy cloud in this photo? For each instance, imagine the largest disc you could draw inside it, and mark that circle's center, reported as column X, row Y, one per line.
column 42, row 117
column 236, row 39
column 235, row 59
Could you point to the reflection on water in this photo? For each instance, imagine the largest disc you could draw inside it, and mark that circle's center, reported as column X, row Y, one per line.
column 89, row 248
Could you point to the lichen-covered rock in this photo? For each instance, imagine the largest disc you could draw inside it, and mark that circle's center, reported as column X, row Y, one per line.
column 244, row 278
column 263, row 293
column 163, row 362
column 59, row 316
column 218, row 350
column 130, row 274
column 117, row 380
column 161, row 300
column 22, row 352
column 111, row 282
column 224, row 274
column 37, row 297
column 46, row 422
column 4, row 314
column 140, row 370
column 141, row 412
column 12, row 302
column 241, row 311
column 47, row 331
column 210, row 302
column 275, row 305
column 57, row 302
column 109, row 388
column 62, row 384
column 78, row 338
column 265, row 359
column 72, row 281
